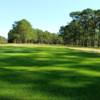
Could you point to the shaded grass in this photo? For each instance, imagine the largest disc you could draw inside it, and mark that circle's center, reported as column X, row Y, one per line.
column 48, row 73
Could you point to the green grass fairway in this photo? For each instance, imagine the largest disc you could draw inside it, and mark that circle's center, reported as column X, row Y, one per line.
column 48, row 73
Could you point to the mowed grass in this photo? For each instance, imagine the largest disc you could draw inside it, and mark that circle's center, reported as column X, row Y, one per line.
column 48, row 73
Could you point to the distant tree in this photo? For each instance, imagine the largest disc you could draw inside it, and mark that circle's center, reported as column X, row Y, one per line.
column 21, row 32
column 83, row 30
column 3, row 40
column 45, row 37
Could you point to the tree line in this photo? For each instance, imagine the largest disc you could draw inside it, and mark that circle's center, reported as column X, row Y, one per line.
column 83, row 30
column 23, row 32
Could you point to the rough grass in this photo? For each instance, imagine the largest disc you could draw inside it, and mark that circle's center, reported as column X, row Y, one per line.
column 48, row 73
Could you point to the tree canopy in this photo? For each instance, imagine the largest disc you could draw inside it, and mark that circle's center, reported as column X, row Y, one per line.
column 22, row 32
column 83, row 30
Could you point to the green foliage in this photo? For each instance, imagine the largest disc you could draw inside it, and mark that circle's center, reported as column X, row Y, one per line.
column 22, row 32
column 83, row 30
column 46, row 37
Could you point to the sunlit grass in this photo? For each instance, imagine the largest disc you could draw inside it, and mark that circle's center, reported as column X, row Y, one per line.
column 43, row 72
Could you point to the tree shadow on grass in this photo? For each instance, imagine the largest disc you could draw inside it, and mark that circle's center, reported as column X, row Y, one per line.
column 18, row 50
column 57, row 85
column 32, row 62
column 53, row 85
column 53, row 58
column 8, row 98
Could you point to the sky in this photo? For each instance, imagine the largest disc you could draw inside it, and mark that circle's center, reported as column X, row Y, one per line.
column 43, row 14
